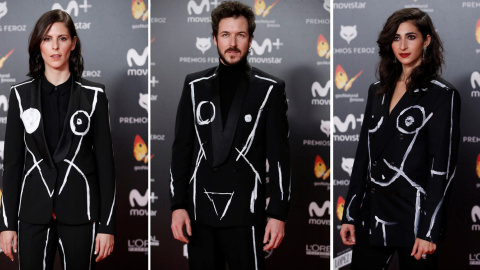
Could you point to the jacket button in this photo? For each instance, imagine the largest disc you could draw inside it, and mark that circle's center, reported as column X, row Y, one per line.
column 392, row 163
column 401, row 136
column 372, row 190
column 374, row 163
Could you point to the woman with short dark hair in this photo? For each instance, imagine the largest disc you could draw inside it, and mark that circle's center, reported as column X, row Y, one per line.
column 58, row 179
column 407, row 153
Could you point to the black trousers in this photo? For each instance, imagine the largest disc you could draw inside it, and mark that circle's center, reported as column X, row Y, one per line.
column 212, row 248
column 366, row 256
column 37, row 245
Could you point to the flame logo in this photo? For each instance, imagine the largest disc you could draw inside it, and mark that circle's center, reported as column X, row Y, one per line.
column 340, row 207
column 477, row 32
column 139, row 10
column 320, row 169
column 3, row 59
column 478, row 166
column 140, row 150
column 341, row 78
column 323, row 49
column 260, row 7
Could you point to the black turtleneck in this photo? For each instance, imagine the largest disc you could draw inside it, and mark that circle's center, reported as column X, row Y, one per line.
column 54, row 110
column 229, row 77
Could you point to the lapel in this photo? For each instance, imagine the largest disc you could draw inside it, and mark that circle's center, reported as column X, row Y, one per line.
column 65, row 141
column 386, row 131
column 39, row 134
column 222, row 137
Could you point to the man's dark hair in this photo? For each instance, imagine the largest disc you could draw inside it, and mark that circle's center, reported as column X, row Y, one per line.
column 43, row 25
column 234, row 9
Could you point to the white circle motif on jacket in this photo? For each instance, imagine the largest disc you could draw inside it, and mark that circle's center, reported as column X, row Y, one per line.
column 411, row 119
column 248, row 118
column 31, row 119
column 80, row 123
column 200, row 120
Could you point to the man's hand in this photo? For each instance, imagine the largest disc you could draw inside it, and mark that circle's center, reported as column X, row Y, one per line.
column 274, row 233
column 347, row 232
column 422, row 247
column 180, row 218
column 103, row 246
column 8, row 241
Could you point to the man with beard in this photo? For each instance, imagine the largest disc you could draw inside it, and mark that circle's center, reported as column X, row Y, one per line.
column 230, row 120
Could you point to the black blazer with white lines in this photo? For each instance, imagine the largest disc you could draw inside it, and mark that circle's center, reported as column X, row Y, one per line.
column 404, row 165
column 78, row 181
column 219, row 174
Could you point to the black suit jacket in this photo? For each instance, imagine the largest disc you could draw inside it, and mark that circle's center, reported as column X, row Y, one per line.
column 219, row 174
column 404, row 165
column 78, row 181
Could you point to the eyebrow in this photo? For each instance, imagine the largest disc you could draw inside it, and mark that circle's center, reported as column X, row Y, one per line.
column 409, row 33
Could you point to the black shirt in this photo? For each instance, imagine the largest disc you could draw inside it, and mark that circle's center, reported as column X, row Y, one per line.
column 55, row 101
column 229, row 77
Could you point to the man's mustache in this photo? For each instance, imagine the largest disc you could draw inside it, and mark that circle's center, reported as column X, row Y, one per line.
column 232, row 50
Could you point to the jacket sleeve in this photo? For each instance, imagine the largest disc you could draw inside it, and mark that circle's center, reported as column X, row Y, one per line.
column 182, row 150
column 103, row 151
column 356, row 189
column 443, row 139
column 278, row 154
column 13, row 163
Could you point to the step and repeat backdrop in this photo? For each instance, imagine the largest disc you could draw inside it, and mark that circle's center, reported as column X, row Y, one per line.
column 114, row 36
column 292, row 42
column 356, row 28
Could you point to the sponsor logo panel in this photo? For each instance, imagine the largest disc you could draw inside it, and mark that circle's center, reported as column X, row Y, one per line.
column 350, row 123
column 323, row 251
column 74, row 9
column 317, row 213
column 138, row 245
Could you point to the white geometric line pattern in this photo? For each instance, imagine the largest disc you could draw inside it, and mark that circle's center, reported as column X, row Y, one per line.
column 63, row 251
column 383, row 228
column 201, row 151
column 252, row 134
column 82, row 134
column 113, row 204
column 257, row 179
column 349, row 218
column 45, row 250
column 214, row 206
column 254, row 248
column 86, row 184
column 280, row 178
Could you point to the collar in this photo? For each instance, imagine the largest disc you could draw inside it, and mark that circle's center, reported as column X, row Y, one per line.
column 240, row 67
column 61, row 88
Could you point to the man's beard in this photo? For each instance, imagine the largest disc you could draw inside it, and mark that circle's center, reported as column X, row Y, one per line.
column 240, row 62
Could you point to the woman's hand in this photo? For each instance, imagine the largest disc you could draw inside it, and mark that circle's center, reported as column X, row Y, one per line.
column 422, row 247
column 8, row 241
column 347, row 232
column 103, row 246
